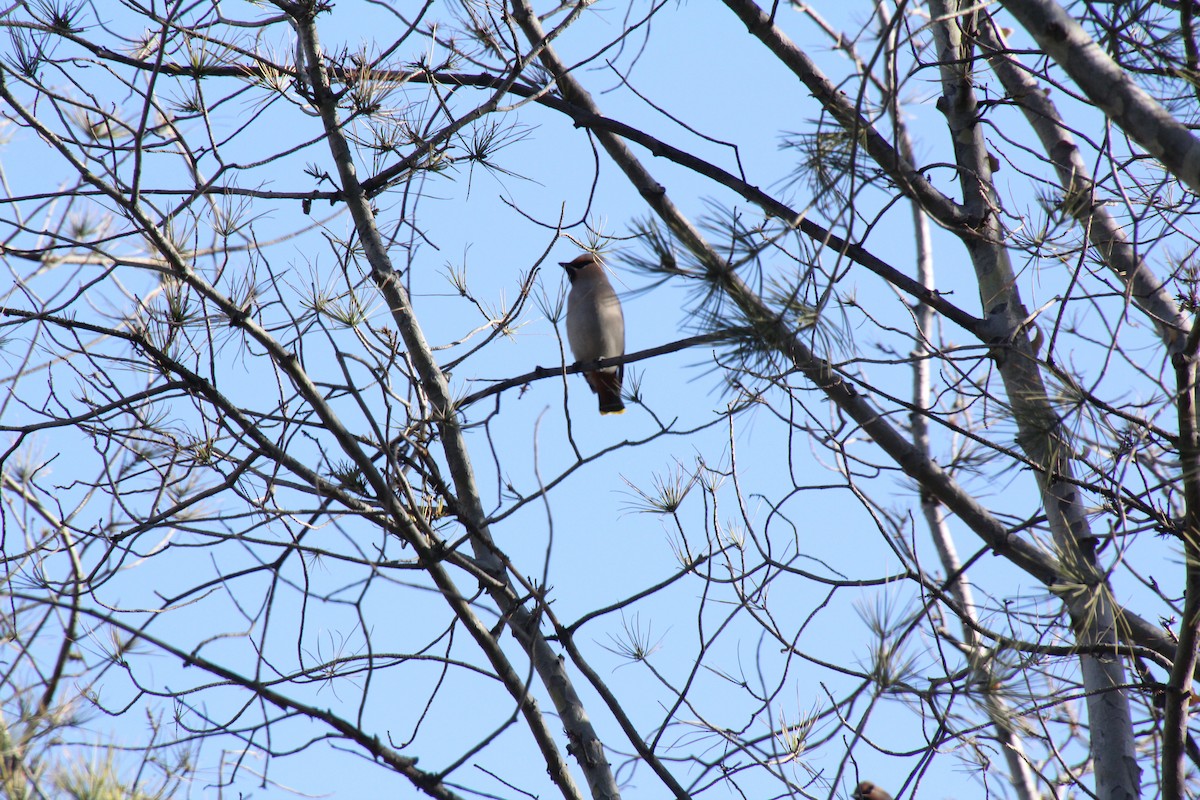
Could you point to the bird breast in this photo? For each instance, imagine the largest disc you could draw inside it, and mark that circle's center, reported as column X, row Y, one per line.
column 595, row 325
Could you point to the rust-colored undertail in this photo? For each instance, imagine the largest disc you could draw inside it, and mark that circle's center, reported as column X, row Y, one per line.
column 607, row 386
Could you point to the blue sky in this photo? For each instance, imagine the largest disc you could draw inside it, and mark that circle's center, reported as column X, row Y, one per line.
column 590, row 541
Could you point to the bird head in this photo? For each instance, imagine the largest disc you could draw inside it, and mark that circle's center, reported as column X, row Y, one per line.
column 580, row 265
column 869, row 791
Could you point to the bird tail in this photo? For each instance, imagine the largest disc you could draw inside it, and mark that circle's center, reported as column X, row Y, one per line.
column 607, row 386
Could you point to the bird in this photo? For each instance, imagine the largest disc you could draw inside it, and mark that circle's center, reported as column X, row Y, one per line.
column 596, row 328
column 869, row 791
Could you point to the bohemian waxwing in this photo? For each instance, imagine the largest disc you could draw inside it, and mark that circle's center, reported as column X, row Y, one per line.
column 869, row 791
column 596, row 328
